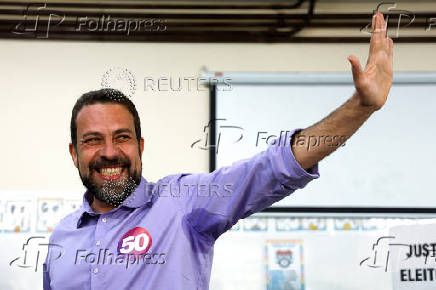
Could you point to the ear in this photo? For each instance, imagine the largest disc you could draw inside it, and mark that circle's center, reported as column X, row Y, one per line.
column 73, row 154
column 141, row 145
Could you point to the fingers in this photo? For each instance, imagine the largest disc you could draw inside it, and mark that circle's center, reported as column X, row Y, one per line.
column 391, row 46
column 378, row 35
column 379, row 39
column 356, row 68
column 373, row 22
column 379, row 24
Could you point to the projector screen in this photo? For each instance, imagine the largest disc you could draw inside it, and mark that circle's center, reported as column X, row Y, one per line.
column 389, row 162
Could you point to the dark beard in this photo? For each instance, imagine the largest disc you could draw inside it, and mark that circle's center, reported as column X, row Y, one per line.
column 112, row 192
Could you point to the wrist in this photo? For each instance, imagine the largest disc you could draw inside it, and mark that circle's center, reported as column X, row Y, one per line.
column 360, row 106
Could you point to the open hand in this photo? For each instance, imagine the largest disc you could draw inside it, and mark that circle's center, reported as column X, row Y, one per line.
column 374, row 82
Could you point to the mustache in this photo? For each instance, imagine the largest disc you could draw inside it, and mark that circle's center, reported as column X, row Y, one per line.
column 105, row 162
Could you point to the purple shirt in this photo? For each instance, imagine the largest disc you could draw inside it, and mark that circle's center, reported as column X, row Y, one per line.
column 162, row 236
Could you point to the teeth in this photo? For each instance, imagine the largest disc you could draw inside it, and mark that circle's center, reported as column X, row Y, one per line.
column 111, row 171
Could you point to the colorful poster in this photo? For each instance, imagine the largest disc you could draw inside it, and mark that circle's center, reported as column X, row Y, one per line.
column 49, row 213
column 288, row 224
column 347, row 224
column 255, row 224
column 284, row 265
column 314, row 224
column 17, row 216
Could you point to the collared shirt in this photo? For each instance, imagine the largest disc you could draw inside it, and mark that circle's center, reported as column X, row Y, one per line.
column 162, row 236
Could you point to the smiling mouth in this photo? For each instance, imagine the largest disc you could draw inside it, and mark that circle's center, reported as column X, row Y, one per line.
column 110, row 173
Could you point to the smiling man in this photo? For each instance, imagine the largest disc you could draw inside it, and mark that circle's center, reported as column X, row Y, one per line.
column 106, row 127
column 135, row 234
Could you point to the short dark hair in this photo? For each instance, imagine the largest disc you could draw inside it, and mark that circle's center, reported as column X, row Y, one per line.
column 104, row 96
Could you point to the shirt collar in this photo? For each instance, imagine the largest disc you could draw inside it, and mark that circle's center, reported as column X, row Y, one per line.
column 143, row 195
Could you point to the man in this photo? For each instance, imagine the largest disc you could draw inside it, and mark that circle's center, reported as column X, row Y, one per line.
column 135, row 234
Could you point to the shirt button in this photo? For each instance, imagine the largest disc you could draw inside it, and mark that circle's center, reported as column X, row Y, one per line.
column 95, row 270
column 97, row 243
column 104, row 220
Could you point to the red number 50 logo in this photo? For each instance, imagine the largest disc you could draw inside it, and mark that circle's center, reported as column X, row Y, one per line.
column 136, row 241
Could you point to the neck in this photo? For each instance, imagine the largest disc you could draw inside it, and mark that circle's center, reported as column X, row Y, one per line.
column 100, row 206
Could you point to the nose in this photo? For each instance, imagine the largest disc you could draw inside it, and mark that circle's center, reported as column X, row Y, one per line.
column 109, row 150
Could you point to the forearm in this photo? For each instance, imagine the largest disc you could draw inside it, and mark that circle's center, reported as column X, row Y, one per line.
column 338, row 125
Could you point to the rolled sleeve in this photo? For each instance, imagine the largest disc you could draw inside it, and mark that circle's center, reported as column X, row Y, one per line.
column 288, row 170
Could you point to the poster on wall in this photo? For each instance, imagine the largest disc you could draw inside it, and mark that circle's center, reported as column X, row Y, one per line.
column 314, row 224
column 49, row 213
column 17, row 216
column 255, row 224
column 284, row 265
column 347, row 224
column 288, row 224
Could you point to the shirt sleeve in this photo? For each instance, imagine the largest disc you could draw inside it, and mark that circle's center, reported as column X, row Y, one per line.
column 216, row 201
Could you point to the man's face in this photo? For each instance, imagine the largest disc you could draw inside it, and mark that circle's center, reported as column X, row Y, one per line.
column 107, row 156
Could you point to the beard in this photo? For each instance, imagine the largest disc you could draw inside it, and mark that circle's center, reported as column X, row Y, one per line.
column 112, row 192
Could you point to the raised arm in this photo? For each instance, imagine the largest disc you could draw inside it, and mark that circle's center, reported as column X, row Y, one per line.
column 372, row 88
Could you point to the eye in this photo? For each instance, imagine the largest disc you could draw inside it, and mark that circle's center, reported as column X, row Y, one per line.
column 93, row 141
column 123, row 138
